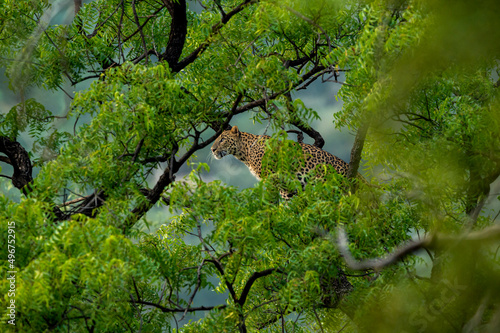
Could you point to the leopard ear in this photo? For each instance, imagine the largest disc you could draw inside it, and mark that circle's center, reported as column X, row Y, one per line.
column 235, row 130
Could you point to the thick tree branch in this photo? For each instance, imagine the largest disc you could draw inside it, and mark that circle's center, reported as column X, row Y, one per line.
column 6, row 160
column 318, row 139
column 19, row 159
column 251, row 281
column 178, row 32
column 154, row 194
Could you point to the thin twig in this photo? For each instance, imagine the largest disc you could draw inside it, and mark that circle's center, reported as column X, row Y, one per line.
column 140, row 31
column 198, row 284
column 73, row 201
column 311, row 22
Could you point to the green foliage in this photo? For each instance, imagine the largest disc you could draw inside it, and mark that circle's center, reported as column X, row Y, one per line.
column 255, row 233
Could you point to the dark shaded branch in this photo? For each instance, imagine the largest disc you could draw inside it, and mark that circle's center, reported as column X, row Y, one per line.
column 154, row 194
column 300, row 135
column 89, row 205
column 178, row 32
column 19, row 159
column 318, row 139
column 431, row 242
column 298, row 62
column 251, row 281
column 217, row 265
column 317, row 75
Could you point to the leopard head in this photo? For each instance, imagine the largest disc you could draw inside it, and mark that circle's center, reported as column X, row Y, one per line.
column 227, row 143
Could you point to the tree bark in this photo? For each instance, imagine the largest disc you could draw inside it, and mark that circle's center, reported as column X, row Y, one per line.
column 356, row 151
column 19, row 159
column 178, row 32
column 78, row 5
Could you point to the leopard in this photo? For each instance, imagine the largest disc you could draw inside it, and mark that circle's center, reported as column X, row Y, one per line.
column 250, row 149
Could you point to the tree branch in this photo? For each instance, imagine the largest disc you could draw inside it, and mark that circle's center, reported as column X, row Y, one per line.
column 143, row 39
column 357, row 149
column 217, row 265
column 19, row 159
column 89, row 205
column 67, row 203
column 171, row 310
column 431, row 242
column 263, row 101
column 251, row 281
column 178, row 32
column 318, row 139
column 198, row 284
